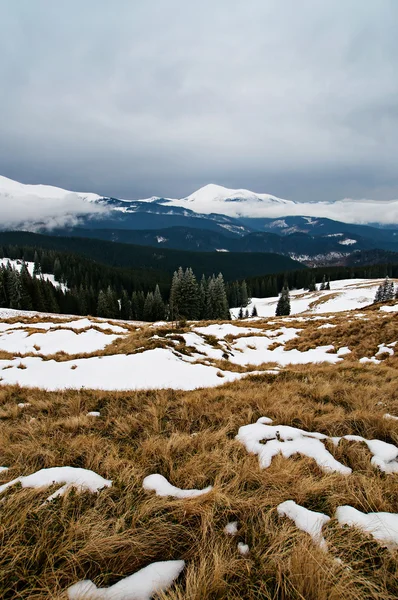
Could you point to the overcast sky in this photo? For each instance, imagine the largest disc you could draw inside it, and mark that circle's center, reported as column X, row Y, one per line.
column 297, row 98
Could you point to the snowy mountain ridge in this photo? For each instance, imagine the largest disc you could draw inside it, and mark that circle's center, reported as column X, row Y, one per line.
column 23, row 204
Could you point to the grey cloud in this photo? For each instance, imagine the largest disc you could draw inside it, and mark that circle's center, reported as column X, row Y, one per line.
column 32, row 212
column 131, row 99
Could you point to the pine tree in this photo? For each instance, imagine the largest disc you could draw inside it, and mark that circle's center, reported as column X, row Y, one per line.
column 125, row 306
column 14, row 289
column 385, row 291
column 175, row 294
column 189, row 302
column 254, row 311
column 112, row 303
column 102, row 304
column 26, row 287
column 312, row 285
column 244, row 297
column 148, row 307
column 327, row 286
column 202, row 297
column 283, row 306
column 219, row 300
column 246, row 313
column 323, row 284
column 57, row 270
column 240, row 314
column 158, row 310
column 3, row 292
column 37, row 266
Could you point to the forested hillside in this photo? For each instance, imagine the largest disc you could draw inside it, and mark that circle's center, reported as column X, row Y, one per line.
column 232, row 265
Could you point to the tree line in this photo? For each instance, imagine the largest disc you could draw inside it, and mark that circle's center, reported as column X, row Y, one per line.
column 188, row 299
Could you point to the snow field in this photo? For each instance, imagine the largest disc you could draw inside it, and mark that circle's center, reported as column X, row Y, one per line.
column 53, row 341
column 347, row 294
column 191, row 368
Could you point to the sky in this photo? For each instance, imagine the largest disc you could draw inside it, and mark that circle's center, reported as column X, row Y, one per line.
column 132, row 99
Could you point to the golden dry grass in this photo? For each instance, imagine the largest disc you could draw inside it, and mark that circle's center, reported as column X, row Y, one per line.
column 189, row 437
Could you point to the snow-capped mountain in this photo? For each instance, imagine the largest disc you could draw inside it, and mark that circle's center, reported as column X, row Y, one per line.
column 235, row 203
column 10, row 188
column 237, row 210
column 29, row 206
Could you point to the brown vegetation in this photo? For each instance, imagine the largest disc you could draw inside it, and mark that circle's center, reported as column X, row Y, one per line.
column 189, row 437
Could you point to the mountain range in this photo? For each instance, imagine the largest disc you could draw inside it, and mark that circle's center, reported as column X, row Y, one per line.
column 211, row 219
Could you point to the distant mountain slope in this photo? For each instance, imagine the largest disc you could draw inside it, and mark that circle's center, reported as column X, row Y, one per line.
column 232, row 265
column 302, row 246
column 320, row 227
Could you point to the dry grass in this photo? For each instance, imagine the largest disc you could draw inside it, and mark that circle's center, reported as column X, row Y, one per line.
column 112, row 534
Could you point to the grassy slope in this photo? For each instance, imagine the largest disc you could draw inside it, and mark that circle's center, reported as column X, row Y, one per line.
column 122, row 529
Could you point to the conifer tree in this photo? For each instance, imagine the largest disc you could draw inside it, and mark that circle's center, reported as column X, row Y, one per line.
column 312, row 285
column 244, row 297
column 158, row 310
column 254, row 311
column 202, row 297
column 175, row 294
column 148, row 307
column 125, row 306
column 102, row 304
column 37, row 266
column 57, row 270
column 283, row 306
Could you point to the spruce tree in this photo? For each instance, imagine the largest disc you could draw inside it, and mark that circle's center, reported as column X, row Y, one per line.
column 37, row 266
column 254, row 311
column 312, row 285
column 175, row 294
column 220, row 308
column 158, row 310
column 57, row 270
column 283, row 306
column 125, row 306
column 244, row 297
column 102, row 304
column 148, row 307
column 202, row 297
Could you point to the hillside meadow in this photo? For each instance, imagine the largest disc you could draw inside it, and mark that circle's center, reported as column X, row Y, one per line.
column 189, row 437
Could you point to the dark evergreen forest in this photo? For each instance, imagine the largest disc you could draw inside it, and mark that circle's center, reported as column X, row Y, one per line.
column 143, row 293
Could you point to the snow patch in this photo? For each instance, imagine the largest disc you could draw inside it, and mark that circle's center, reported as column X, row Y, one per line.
column 382, row 526
column 150, row 580
column 162, row 487
column 71, row 477
column 307, row 520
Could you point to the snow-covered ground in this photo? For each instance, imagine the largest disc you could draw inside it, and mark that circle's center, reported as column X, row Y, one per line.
column 203, row 356
column 346, row 294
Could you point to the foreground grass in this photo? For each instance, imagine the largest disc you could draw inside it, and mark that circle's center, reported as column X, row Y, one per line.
column 189, row 438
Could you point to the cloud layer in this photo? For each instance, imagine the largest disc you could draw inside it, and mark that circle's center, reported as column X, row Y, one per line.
column 298, row 99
